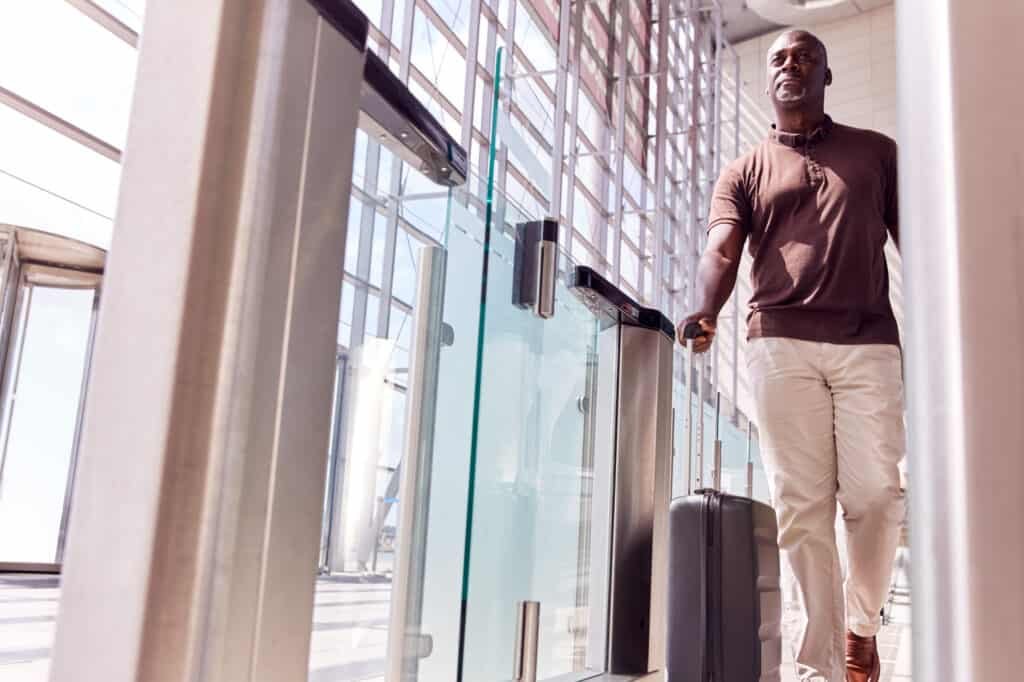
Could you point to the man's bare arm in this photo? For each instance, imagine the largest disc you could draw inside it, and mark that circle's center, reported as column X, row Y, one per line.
column 716, row 277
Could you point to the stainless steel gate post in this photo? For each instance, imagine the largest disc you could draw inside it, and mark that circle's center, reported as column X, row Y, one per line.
column 526, row 643
column 193, row 541
column 192, row 544
column 643, row 476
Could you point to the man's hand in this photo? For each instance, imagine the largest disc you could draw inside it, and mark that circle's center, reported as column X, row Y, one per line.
column 708, row 326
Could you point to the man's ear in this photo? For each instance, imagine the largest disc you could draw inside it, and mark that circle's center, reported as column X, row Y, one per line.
column 828, row 76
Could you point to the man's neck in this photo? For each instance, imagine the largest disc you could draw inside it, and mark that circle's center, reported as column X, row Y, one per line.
column 799, row 121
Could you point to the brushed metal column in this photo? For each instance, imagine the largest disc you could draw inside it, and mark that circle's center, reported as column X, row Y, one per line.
column 192, row 546
column 527, row 641
column 406, row 641
column 962, row 224
column 642, row 490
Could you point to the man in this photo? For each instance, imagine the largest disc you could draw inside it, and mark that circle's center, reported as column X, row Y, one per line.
column 816, row 201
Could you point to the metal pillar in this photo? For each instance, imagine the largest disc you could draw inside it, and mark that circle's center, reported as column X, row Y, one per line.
column 961, row 224
column 641, row 395
column 205, row 416
column 621, row 73
column 210, row 395
column 660, row 153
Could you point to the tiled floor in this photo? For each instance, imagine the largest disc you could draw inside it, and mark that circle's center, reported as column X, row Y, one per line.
column 28, row 612
column 349, row 628
column 893, row 644
column 349, row 631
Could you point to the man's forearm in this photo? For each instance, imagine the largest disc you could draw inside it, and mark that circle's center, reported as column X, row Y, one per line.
column 716, row 277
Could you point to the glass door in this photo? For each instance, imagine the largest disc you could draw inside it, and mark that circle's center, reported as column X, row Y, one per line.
column 535, row 482
column 44, row 381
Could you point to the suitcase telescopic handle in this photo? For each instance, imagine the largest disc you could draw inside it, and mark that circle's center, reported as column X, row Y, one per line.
column 691, row 331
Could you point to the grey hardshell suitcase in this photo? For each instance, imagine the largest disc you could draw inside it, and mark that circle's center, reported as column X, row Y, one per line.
column 725, row 601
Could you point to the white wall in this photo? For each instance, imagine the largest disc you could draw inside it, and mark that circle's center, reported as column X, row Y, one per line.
column 862, row 55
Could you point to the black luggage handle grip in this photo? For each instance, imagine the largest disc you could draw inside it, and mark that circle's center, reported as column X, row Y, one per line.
column 693, row 330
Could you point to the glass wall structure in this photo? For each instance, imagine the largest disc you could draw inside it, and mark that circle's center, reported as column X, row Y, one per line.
column 618, row 105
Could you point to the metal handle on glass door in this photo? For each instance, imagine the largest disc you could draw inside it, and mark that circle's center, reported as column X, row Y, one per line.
column 527, row 632
column 536, row 267
column 547, row 260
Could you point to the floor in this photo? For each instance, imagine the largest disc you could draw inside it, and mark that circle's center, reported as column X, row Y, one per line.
column 349, row 631
column 893, row 646
column 349, row 628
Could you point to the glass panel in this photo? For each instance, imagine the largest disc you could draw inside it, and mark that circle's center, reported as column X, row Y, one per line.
column 529, row 531
column 436, row 59
column 532, row 467
column 89, row 85
column 406, row 252
column 455, row 16
column 130, row 12
column 50, row 182
column 353, row 608
column 738, row 448
column 42, row 410
column 446, row 523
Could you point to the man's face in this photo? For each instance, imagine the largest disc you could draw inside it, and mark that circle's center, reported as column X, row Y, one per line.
column 797, row 71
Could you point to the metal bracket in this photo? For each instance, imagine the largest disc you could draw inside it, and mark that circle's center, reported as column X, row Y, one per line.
column 527, row 632
column 536, row 266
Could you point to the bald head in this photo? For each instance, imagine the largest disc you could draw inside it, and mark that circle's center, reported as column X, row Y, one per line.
column 798, row 72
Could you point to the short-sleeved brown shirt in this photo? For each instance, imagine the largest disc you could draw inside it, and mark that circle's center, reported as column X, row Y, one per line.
column 816, row 210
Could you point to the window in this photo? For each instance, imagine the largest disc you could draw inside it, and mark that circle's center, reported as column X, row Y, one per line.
column 128, row 12
column 90, row 86
column 57, row 184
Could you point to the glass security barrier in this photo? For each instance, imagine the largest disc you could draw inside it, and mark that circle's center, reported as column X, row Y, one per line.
column 539, row 490
column 483, row 428
column 356, row 588
column 397, row 209
column 570, row 449
column 532, row 534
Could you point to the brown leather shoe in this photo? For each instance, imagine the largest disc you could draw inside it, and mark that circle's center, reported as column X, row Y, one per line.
column 862, row 662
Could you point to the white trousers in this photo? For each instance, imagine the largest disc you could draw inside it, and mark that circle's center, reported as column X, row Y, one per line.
column 830, row 419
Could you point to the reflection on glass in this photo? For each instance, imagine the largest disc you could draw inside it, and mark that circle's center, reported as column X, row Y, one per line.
column 441, row 591
column 42, row 414
column 353, row 594
column 738, row 447
column 358, row 562
column 407, row 250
